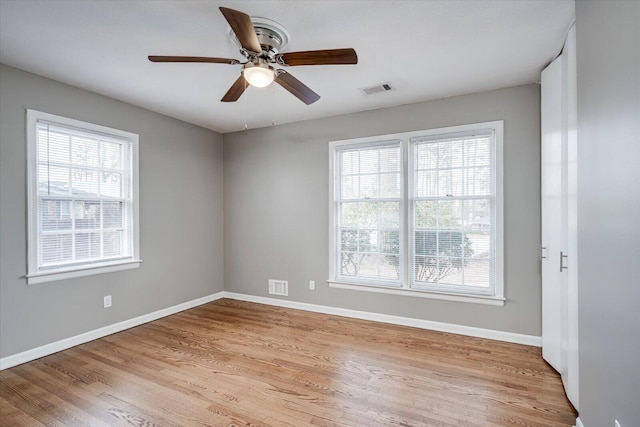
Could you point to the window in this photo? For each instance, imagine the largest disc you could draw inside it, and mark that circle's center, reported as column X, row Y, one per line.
column 419, row 213
column 368, row 200
column 82, row 198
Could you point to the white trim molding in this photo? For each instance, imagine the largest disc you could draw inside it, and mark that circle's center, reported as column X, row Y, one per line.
column 44, row 277
column 54, row 347
column 447, row 296
column 579, row 422
column 471, row 331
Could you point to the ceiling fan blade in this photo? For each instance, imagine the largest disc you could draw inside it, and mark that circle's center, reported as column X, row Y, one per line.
column 154, row 58
column 296, row 87
column 243, row 29
column 318, row 57
column 236, row 90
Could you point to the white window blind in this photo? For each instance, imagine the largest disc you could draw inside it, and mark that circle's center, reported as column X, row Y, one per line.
column 420, row 213
column 453, row 212
column 368, row 201
column 82, row 197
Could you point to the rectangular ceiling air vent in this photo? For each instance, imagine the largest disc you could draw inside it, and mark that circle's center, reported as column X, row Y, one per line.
column 381, row 87
column 278, row 287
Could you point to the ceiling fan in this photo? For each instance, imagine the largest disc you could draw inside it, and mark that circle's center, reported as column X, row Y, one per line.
column 260, row 41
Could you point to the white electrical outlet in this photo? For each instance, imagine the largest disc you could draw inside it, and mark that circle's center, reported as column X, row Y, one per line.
column 312, row 285
column 107, row 301
column 617, row 424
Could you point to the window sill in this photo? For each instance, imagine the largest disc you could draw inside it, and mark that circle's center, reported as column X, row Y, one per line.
column 90, row 270
column 468, row 298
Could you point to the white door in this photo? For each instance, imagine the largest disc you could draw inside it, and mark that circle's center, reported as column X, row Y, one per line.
column 553, row 194
column 559, row 218
column 570, row 373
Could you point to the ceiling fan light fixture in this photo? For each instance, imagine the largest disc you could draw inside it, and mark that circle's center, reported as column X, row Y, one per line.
column 258, row 75
column 260, row 41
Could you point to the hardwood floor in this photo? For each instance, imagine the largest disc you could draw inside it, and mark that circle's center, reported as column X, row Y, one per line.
column 232, row 363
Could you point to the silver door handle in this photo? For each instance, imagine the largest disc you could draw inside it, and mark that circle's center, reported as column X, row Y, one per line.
column 562, row 257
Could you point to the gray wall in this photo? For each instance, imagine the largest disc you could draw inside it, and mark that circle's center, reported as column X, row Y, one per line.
column 276, row 207
column 181, row 218
column 608, row 55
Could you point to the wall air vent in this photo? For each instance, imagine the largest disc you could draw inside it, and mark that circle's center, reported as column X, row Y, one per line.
column 278, row 287
column 381, row 87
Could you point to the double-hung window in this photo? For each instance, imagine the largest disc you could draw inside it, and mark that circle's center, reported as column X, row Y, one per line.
column 82, row 198
column 419, row 213
column 368, row 209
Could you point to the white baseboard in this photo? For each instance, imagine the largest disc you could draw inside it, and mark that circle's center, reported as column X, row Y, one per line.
column 579, row 422
column 396, row 320
column 54, row 347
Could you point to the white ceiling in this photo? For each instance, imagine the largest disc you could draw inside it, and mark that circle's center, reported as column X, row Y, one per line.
column 426, row 49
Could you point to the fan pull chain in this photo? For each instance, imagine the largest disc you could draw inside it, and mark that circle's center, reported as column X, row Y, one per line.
column 245, row 105
column 273, row 109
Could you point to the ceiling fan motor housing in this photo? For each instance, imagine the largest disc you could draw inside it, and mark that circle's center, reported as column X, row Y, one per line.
column 273, row 37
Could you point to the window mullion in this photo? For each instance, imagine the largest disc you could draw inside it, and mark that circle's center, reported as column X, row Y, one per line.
column 405, row 240
column 101, row 229
column 337, row 186
column 437, row 242
column 357, row 246
column 72, row 210
column 98, row 178
column 99, row 168
column 70, row 165
column 463, row 236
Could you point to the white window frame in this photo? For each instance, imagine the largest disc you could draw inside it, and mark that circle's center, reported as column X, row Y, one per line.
column 36, row 274
column 496, row 297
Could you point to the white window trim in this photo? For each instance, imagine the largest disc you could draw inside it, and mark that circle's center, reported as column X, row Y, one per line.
column 418, row 293
column 35, row 276
column 498, row 297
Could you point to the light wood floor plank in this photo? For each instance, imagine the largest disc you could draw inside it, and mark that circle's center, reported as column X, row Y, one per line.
column 232, row 363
